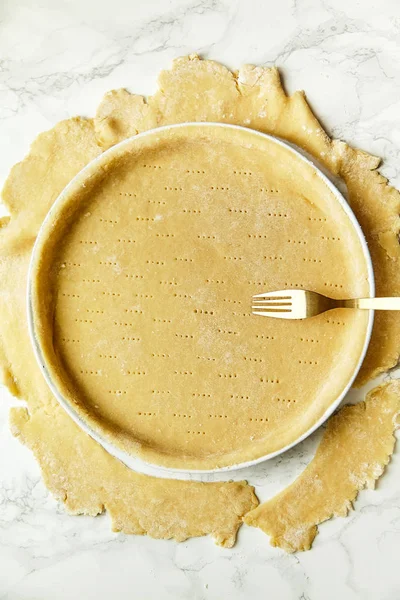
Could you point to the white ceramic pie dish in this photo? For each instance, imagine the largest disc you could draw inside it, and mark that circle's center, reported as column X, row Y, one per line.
column 136, row 463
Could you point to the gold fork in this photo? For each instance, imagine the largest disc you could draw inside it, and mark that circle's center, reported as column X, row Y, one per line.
column 301, row 304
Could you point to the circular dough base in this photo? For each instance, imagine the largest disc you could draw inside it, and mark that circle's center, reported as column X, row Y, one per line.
column 142, row 279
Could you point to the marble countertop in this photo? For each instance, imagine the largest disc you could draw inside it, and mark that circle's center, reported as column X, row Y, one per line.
column 58, row 57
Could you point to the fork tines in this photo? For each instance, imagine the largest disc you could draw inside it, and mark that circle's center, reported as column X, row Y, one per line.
column 271, row 302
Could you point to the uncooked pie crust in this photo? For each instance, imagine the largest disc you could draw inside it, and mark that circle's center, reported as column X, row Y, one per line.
column 142, row 287
column 355, row 449
column 75, row 468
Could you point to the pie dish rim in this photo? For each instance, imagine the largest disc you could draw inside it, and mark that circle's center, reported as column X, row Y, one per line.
column 137, row 463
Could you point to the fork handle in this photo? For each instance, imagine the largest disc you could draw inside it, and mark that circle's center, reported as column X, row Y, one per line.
column 372, row 303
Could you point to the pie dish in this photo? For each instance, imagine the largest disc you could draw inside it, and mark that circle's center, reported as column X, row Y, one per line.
column 140, row 291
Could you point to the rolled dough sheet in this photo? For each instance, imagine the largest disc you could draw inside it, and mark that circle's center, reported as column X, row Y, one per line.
column 75, row 468
column 256, row 99
column 203, row 90
column 142, row 297
column 356, row 447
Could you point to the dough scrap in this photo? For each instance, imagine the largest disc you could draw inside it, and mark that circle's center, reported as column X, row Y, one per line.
column 254, row 98
column 80, row 473
column 354, row 451
column 203, row 90
column 377, row 208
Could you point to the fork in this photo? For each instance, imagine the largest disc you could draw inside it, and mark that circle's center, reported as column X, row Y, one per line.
column 301, row 304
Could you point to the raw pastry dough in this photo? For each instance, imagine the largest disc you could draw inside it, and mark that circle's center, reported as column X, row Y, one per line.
column 75, row 468
column 203, row 90
column 88, row 480
column 192, row 90
column 142, row 294
column 353, row 454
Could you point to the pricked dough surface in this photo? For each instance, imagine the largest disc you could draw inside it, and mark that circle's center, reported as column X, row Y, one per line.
column 76, row 469
column 143, row 294
column 204, row 90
